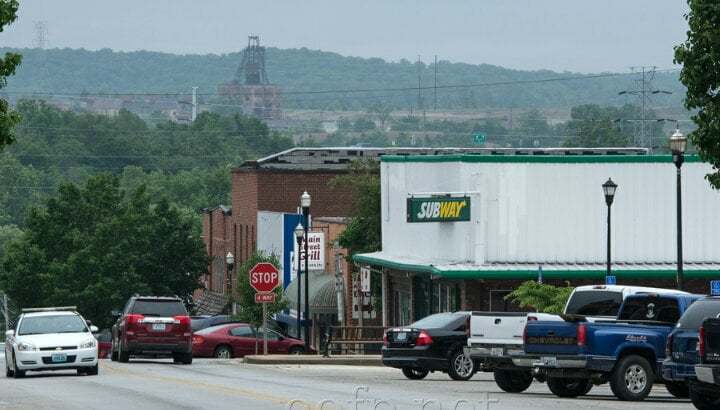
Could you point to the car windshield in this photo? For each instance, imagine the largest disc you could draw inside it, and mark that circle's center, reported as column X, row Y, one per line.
column 697, row 312
column 435, row 321
column 37, row 325
column 594, row 303
column 161, row 308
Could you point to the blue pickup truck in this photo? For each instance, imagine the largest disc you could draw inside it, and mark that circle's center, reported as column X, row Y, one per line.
column 627, row 352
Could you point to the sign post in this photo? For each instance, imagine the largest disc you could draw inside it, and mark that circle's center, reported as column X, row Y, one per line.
column 264, row 277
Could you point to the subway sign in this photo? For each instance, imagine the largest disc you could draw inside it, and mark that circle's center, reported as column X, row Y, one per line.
column 438, row 209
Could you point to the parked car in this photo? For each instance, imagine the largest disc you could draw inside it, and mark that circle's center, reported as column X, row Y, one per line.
column 705, row 391
column 50, row 339
column 434, row 343
column 627, row 353
column 104, row 344
column 239, row 339
column 681, row 348
column 152, row 324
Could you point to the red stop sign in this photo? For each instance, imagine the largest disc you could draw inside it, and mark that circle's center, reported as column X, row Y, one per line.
column 264, row 277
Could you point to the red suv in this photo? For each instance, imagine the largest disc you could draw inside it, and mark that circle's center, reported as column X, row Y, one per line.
column 152, row 324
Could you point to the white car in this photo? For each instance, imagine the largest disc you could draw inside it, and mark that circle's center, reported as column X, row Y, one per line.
column 51, row 339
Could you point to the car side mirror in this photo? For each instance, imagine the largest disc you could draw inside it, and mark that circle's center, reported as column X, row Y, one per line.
column 115, row 314
column 9, row 333
column 93, row 329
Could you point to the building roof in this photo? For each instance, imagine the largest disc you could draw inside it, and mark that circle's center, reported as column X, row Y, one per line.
column 339, row 158
column 445, row 269
column 223, row 208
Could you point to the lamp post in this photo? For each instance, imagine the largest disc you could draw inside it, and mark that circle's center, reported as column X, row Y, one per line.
column 230, row 262
column 609, row 188
column 305, row 204
column 299, row 231
column 678, row 145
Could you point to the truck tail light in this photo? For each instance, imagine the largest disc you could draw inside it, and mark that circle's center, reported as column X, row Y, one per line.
column 183, row 320
column 133, row 319
column 668, row 345
column 701, row 343
column 385, row 339
column 423, row 339
column 525, row 335
column 581, row 335
column 467, row 327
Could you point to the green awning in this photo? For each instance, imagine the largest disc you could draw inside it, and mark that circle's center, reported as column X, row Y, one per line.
column 323, row 298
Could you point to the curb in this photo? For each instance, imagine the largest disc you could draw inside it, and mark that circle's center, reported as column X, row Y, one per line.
column 340, row 360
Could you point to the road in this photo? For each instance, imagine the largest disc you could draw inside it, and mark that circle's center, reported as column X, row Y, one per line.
column 223, row 384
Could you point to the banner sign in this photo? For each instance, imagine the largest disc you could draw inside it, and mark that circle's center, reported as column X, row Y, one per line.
column 316, row 252
column 438, row 209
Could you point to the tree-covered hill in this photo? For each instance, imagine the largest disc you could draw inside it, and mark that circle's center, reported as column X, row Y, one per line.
column 305, row 75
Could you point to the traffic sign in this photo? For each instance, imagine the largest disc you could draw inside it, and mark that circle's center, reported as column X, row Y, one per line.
column 264, row 297
column 610, row 280
column 715, row 287
column 478, row 138
column 264, row 277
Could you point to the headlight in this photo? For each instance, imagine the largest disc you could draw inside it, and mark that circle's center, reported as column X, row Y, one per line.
column 26, row 347
column 87, row 344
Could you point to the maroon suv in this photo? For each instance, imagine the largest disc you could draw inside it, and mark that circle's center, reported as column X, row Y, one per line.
column 150, row 325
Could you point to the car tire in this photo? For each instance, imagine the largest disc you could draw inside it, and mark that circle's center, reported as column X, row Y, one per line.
column 296, row 350
column 17, row 373
column 93, row 371
column 678, row 389
column 8, row 372
column 461, row 367
column 186, row 358
column 223, row 352
column 572, row 387
column 123, row 355
column 513, row 381
column 632, row 378
column 113, row 352
column 703, row 400
column 414, row 374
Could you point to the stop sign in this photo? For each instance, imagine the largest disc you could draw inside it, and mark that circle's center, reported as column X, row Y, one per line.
column 264, row 277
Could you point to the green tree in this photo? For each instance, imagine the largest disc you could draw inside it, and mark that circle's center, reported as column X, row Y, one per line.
column 544, row 298
column 700, row 57
column 381, row 112
column 595, row 127
column 93, row 246
column 8, row 118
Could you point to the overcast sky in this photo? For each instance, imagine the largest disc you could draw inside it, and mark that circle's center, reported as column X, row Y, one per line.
column 560, row 35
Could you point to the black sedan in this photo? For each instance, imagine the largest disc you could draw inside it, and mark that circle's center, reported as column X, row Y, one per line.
column 434, row 343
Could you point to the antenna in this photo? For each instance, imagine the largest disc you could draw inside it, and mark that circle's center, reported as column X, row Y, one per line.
column 40, row 42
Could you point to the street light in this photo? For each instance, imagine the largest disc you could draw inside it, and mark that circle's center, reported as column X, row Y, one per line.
column 609, row 188
column 299, row 231
column 230, row 262
column 678, row 145
column 305, row 204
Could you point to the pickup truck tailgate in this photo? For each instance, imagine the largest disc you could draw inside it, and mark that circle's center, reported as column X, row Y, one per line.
column 559, row 338
column 495, row 328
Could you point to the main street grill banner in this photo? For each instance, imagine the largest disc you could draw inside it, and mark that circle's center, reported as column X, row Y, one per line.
column 444, row 209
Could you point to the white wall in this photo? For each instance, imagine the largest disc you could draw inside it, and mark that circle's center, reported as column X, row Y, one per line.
column 553, row 212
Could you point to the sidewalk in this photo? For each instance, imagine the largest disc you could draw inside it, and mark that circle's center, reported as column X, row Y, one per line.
column 343, row 360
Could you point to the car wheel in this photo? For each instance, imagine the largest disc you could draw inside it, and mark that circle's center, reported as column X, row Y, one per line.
column 632, row 378
column 678, row 389
column 123, row 355
column 92, row 371
column 563, row 387
column 414, row 374
column 296, row 350
column 184, row 358
column 513, row 381
column 461, row 367
column 703, row 400
column 17, row 373
column 113, row 352
column 223, row 352
column 8, row 372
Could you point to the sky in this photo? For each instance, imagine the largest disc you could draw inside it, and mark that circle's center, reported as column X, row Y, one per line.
column 559, row 35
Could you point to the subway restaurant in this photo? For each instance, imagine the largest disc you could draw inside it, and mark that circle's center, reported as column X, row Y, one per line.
column 460, row 232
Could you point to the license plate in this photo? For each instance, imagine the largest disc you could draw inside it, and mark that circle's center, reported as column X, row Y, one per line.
column 158, row 326
column 549, row 361
column 401, row 336
column 497, row 351
column 59, row 358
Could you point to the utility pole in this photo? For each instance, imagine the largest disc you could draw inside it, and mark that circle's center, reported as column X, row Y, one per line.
column 6, row 313
column 339, row 280
column 40, row 42
column 642, row 134
column 435, row 89
column 194, row 103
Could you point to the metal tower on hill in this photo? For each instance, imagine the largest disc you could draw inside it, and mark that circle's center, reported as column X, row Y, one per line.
column 252, row 66
column 642, row 132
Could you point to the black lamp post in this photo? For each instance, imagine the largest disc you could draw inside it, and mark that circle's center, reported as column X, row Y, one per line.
column 678, row 145
column 230, row 262
column 299, row 231
column 609, row 188
column 305, row 204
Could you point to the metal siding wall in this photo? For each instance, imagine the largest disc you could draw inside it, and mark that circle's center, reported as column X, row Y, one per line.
column 555, row 212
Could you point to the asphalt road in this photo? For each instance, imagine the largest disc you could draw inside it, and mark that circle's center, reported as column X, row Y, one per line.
column 225, row 384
